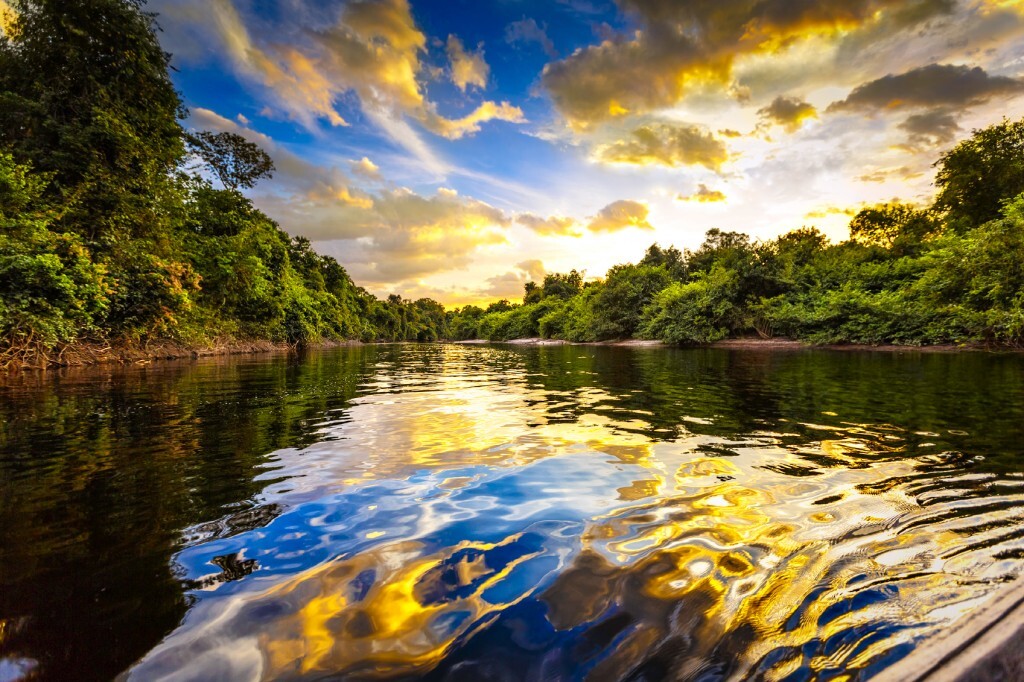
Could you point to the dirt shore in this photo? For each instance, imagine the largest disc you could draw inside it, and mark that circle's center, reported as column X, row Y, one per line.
column 635, row 343
column 763, row 344
column 84, row 354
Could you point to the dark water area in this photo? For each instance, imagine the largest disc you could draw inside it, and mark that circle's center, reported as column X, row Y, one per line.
column 504, row 513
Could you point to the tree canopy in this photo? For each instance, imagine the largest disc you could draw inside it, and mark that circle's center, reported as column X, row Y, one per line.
column 112, row 232
column 237, row 163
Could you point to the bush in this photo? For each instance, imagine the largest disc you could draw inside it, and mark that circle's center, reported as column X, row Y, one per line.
column 700, row 311
column 51, row 291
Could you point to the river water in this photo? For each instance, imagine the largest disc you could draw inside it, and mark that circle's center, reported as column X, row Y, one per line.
column 505, row 513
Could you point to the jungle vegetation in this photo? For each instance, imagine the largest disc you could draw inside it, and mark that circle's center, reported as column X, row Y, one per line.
column 118, row 226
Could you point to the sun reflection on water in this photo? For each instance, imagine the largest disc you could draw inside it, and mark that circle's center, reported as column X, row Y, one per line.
column 461, row 515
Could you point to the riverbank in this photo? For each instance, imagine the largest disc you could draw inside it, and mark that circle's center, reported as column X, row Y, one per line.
column 762, row 344
column 85, row 354
column 634, row 343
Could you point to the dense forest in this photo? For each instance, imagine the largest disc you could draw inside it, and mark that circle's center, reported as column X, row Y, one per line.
column 120, row 227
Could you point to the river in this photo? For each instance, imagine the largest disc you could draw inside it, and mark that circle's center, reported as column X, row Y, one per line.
column 504, row 513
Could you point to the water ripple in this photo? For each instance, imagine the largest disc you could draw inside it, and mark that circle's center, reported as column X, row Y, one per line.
column 565, row 513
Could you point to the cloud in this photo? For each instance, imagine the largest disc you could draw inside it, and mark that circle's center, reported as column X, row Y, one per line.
column 400, row 236
column 704, row 195
column 620, row 215
column 534, row 269
column 299, row 87
column 928, row 86
column 412, row 236
column 390, row 235
column 680, row 47
column 788, row 112
column 467, row 68
column 884, row 174
column 555, row 226
column 667, row 144
column 293, row 173
column 930, row 129
column 455, row 128
column 529, row 31
column 511, row 284
column 367, row 169
column 373, row 50
column 831, row 211
column 616, row 78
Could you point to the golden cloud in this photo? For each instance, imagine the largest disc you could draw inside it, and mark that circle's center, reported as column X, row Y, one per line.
column 830, row 211
column 884, row 174
column 415, row 235
column 667, row 144
column 617, row 78
column 6, row 16
column 455, row 128
column 533, row 268
column 323, row 192
column 555, row 226
column 389, row 235
column 367, row 169
column 467, row 68
column 787, row 112
column 301, row 90
column 704, row 195
column 374, row 51
column 683, row 46
column 620, row 215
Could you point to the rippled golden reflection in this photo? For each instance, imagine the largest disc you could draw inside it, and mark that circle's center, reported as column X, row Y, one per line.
column 467, row 497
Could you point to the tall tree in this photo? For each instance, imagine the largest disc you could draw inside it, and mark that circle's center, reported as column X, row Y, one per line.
column 977, row 176
column 86, row 98
column 235, row 161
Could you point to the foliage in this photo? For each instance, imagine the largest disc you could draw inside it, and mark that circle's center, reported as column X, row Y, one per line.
column 106, row 235
column 50, row 289
column 898, row 227
column 980, row 173
column 699, row 311
column 627, row 290
column 85, row 97
column 235, row 161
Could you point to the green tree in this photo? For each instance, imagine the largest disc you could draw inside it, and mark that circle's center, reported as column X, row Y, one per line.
column 627, row 290
column 895, row 226
column 235, row 161
column 700, row 311
column 563, row 285
column 50, row 289
column 980, row 173
column 671, row 259
column 532, row 293
column 86, row 98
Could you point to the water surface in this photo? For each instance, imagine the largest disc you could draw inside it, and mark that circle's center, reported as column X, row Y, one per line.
column 468, row 513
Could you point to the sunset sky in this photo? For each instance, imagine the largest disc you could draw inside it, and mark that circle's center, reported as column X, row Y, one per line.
column 458, row 148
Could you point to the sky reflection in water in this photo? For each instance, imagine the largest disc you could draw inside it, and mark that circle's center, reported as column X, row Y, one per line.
column 574, row 513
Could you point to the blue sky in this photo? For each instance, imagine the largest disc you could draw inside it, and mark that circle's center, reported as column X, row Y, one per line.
column 458, row 149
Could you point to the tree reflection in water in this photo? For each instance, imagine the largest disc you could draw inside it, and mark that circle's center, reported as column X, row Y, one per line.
column 502, row 512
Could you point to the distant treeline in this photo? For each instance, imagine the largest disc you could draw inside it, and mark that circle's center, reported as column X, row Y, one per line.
column 110, row 232
column 952, row 272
